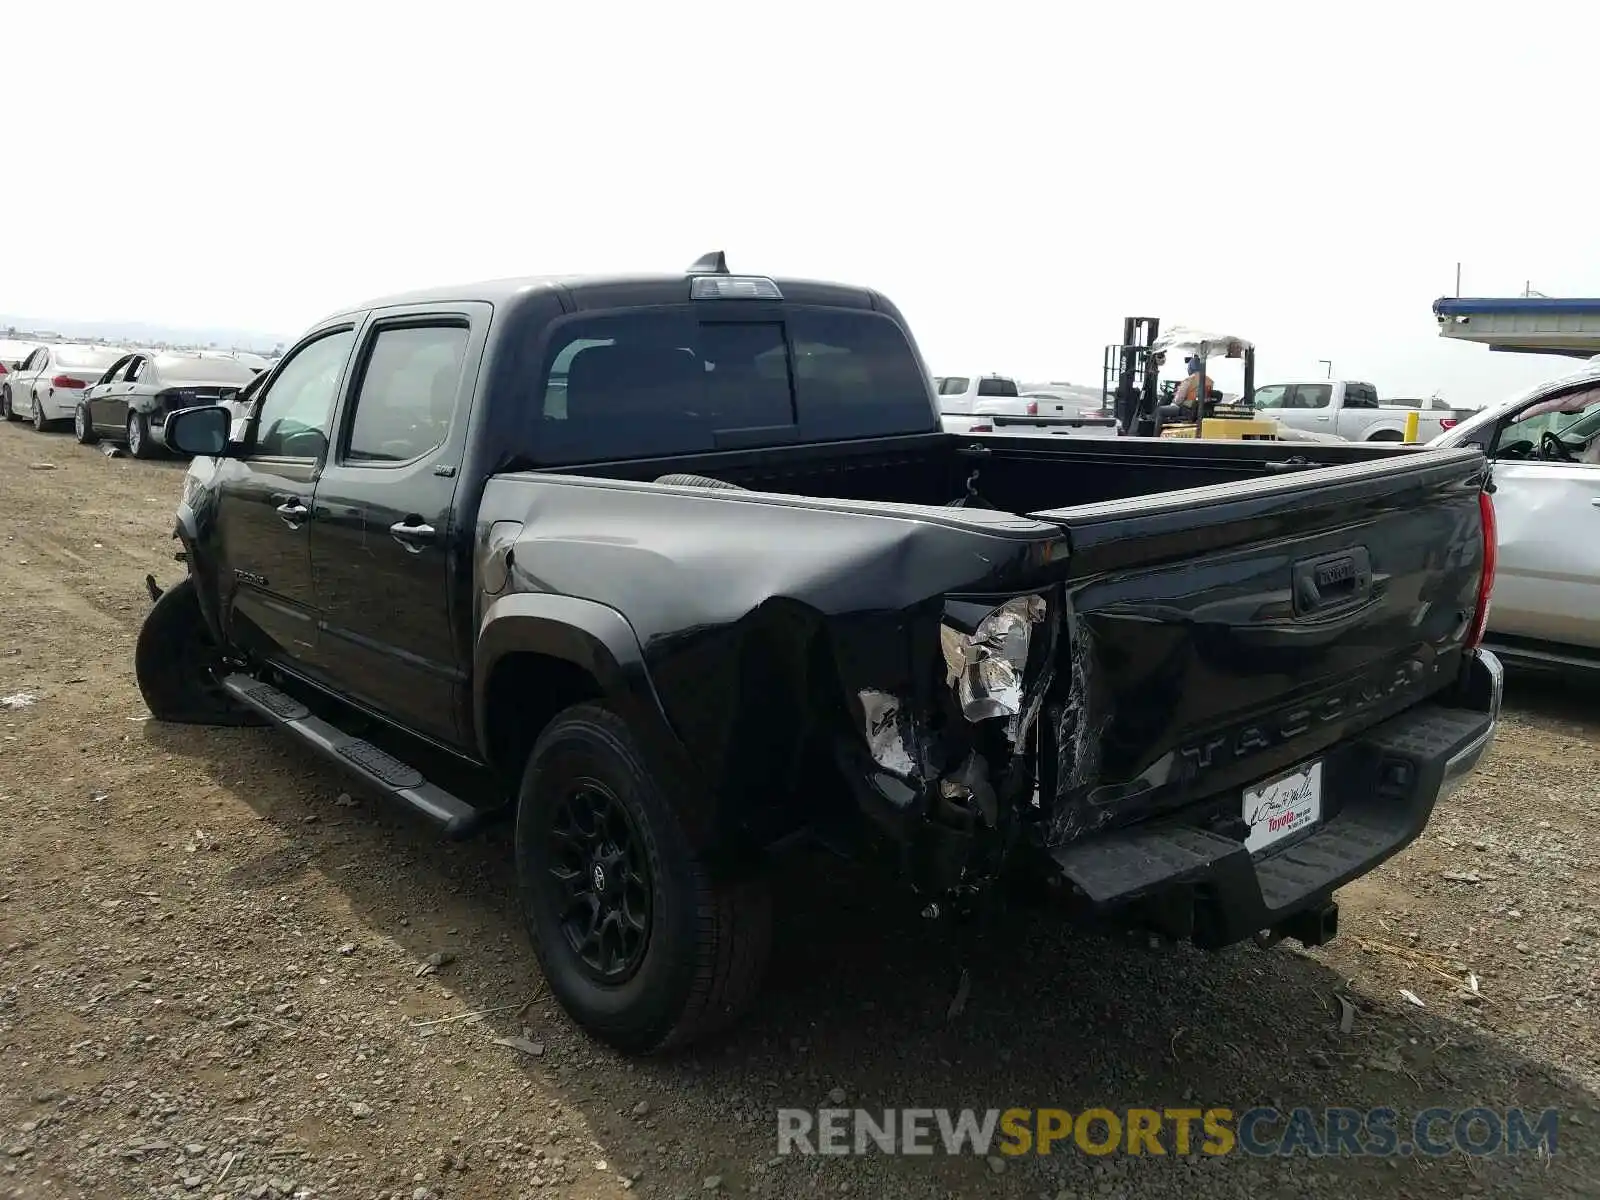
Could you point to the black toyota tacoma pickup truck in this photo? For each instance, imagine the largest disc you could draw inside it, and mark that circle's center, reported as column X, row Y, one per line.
column 684, row 571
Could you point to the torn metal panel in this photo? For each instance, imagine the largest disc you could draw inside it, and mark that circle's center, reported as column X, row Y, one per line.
column 890, row 734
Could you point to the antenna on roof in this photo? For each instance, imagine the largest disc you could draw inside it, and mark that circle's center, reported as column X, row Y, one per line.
column 715, row 263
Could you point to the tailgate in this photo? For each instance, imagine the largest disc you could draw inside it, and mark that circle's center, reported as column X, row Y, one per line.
column 1219, row 635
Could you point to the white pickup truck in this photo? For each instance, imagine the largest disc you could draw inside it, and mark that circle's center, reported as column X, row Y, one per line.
column 990, row 403
column 1350, row 409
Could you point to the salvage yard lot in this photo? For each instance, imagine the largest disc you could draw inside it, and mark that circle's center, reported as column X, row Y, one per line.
column 215, row 971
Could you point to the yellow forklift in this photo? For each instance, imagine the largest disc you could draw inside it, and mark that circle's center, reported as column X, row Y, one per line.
column 1132, row 388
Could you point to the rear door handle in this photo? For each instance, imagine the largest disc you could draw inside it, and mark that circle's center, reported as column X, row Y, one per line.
column 411, row 533
column 1595, row 502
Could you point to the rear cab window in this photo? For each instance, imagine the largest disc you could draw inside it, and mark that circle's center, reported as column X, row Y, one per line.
column 995, row 386
column 689, row 379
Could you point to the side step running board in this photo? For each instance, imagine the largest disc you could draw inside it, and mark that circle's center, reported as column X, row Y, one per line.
column 381, row 771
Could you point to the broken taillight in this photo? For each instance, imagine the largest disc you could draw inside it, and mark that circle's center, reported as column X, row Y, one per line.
column 1491, row 554
column 1447, row 423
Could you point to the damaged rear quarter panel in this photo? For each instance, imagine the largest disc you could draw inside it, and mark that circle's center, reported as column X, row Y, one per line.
column 771, row 625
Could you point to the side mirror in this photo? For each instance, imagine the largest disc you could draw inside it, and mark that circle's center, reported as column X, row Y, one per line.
column 199, row 432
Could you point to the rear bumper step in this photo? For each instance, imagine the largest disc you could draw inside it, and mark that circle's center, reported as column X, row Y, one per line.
column 1381, row 789
column 378, row 769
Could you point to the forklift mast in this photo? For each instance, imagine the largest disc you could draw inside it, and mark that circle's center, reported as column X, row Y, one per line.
column 1132, row 397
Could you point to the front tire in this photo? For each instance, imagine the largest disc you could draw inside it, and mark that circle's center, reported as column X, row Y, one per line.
column 139, row 444
column 176, row 663
column 637, row 943
column 82, row 426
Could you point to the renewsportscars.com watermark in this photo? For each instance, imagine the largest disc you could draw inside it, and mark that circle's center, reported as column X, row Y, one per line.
column 1315, row 1132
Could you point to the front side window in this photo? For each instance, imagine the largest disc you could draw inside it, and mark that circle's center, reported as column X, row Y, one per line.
column 408, row 393
column 297, row 407
column 1561, row 428
column 1271, row 396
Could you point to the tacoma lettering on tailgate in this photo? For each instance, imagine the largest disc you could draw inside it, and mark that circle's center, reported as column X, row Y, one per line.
column 1276, row 728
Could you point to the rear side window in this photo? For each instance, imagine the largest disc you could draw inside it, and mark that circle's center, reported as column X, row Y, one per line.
column 1312, row 395
column 661, row 382
column 408, row 393
column 954, row 386
column 1363, row 395
column 997, row 387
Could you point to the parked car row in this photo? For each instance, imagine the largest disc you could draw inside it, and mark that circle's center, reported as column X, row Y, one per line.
column 117, row 393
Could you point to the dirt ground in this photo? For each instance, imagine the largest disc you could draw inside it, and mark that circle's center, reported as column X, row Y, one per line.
column 210, row 955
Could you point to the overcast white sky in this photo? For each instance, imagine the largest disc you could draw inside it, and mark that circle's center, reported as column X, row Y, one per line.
column 1016, row 177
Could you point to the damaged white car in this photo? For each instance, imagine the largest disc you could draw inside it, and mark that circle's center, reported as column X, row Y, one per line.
column 1545, row 445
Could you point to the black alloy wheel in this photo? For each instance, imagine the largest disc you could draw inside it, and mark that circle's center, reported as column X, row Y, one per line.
column 602, row 879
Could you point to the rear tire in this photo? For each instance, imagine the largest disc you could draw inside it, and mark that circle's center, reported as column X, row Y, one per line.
column 82, row 427
column 674, row 955
column 41, row 423
column 176, row 663
column 139, row 444
column 5, row 405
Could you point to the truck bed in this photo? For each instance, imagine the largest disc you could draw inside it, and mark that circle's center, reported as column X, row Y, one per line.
column 1231, row 608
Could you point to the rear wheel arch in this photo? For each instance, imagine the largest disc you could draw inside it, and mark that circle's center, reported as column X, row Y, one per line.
column 539, row 654
column 1386, row 435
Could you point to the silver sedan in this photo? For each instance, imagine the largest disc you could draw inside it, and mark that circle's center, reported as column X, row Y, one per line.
column 1545, row 444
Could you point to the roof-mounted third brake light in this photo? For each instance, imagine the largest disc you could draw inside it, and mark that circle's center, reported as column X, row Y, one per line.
column 709, row 280
column 733, row 287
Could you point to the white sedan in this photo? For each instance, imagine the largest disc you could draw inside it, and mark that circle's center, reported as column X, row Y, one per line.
column 1545, row 445
column 46, row 387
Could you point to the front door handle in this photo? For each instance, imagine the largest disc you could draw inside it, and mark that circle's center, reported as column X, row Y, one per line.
column 1595, row 502
column 1322, row 418
column 411, row 533
column 293, row 512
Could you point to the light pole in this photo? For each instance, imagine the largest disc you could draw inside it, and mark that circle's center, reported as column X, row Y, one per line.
column 1327, row 362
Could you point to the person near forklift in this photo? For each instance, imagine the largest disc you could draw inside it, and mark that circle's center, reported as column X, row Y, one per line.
column 1185, row 403
column 1189, row 394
